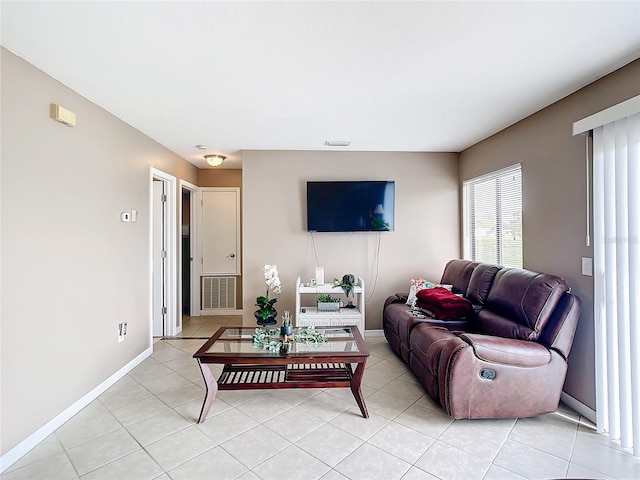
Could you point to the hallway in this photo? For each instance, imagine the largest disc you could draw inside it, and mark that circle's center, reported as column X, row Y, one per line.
column 205, row 326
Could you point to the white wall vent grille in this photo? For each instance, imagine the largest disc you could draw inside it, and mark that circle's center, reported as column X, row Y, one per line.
column 218, row 293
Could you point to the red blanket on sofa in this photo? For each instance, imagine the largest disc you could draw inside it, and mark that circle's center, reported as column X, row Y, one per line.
column 443, row 304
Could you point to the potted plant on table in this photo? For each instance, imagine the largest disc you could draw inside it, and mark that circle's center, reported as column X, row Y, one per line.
column 348, row 284
column 287, row 327
column 266, row 313
column 327, row 303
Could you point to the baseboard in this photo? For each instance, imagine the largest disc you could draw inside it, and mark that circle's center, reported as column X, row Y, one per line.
column 47, row 429
column 578, row 407
column 221, row 311
column 374, row 333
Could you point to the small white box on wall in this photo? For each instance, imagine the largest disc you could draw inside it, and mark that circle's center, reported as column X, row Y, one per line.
column 320, row 275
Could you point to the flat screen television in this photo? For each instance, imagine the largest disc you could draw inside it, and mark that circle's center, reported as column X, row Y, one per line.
column 350, row 206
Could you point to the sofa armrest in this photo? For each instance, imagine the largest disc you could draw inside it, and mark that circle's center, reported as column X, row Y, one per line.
column 508, row 351
column 396, row 298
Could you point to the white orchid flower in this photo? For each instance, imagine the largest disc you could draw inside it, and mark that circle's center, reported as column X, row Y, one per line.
column 272, row 278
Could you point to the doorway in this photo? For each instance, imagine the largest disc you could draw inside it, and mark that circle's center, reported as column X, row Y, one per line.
column 188, row 287
column 186, row 256
column 162, row 247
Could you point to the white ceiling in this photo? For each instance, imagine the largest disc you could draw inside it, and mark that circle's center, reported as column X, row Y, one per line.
column 387, row 76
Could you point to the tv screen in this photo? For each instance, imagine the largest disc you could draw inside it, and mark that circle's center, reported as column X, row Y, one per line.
column 351, row 206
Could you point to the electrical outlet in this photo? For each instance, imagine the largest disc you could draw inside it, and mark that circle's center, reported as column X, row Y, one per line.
column 122, row 331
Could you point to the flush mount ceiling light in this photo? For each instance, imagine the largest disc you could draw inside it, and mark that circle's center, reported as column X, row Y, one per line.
column 337, row 143
column 214, row 160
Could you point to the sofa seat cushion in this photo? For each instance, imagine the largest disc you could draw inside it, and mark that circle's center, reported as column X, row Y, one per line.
column 444, row 304
column 507, row 351
column 399, row 320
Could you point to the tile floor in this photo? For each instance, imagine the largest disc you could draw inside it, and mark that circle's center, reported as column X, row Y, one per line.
column 205, row 326
column 144, row 427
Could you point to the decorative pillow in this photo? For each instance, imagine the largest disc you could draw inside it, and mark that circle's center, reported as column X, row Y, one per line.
column 414, row 287
column 444, row 304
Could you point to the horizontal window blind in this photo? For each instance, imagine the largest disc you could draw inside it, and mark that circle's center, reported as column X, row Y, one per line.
column 493, row 217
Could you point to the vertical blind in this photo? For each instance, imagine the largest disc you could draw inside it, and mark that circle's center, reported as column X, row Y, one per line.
column 493, row 217
column 616, row 224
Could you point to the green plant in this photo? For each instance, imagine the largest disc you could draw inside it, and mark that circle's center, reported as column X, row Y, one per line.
column 265, row 338
column 264, row 303
column 309, row 334
column 286, row 318
column 265, row 306
column 326, row 298
column 348, row 283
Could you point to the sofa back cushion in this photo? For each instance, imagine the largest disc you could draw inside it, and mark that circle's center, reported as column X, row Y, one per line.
column 520, row 303
column 480, row 283
column 559, row 332
column 458, row 273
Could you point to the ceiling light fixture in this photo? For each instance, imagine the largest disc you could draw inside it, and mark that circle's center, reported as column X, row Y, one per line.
column 214, row 160
column 337, row 143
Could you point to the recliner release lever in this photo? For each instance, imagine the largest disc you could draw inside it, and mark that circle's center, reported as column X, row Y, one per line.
column 487, row 374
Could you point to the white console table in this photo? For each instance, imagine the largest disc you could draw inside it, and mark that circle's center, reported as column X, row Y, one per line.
column 307, row 313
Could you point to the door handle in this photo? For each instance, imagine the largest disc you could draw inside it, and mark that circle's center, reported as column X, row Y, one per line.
column 233, row 255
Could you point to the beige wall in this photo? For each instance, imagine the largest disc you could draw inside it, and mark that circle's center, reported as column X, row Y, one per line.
column 71, row 271
column 425, row 238
column 226, row 177
column 554, row 203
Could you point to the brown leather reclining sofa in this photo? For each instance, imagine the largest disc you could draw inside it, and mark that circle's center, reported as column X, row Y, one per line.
column 508, row 359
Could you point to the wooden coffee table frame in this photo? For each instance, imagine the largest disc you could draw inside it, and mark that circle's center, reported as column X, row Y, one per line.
column 265, row 370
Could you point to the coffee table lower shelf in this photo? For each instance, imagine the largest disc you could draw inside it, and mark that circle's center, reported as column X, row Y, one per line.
column 316, row 375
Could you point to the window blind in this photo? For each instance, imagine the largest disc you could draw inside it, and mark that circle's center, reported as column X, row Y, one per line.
column 493, row 217
column 616, row 223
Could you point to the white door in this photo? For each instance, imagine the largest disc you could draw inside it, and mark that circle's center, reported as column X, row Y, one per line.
column 221, row 231
column 159, row 258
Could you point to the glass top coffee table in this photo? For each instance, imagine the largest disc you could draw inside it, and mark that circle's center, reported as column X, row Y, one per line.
column 304, row 365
